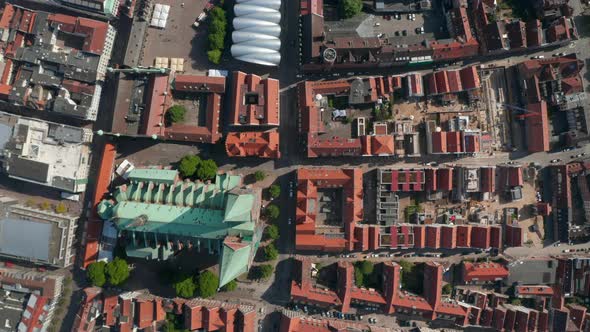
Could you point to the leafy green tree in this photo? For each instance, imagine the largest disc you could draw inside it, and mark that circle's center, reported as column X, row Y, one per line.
column 230, row 286
column 207, row 170
column 96, row 273
column 272, row 212
column 207, row 284
column 214, row 56
column 516, row 302
column 274, row 191
column 350, row 8
column 447, row 289
column 359, row 277
column 264, row 271
column 270, row 252
column 271, row 232
column 176, row 114
column 259, row 175
column 217, row 27
column 217, row 13
column 117, row 271
column 216, row 41
column 366, row 267
column 188, row 165
column 185, row 287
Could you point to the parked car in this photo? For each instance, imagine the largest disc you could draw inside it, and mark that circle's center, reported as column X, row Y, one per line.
column 553, row 161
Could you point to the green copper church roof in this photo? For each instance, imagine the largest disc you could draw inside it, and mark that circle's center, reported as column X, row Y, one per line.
column 158, row 204
column 233, row 263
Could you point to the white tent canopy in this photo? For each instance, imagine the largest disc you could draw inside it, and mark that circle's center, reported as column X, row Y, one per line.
column 256, row 31
column 160, row 16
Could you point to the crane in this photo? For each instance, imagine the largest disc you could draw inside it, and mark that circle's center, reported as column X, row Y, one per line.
column 526, row 112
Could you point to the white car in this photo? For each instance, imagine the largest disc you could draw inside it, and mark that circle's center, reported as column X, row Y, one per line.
column 290, row 220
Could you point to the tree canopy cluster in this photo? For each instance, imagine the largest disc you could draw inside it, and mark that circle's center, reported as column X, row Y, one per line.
column 270, row 252
column 271, row 232
column 204, row 285
column 366, row 275
column 116, row 272
column 217, row 33
column 272, row 212
column 261, row 271
column 175, row 114
column 259, row 176
column 192, row 166
column 350, row 8
column 274, row 191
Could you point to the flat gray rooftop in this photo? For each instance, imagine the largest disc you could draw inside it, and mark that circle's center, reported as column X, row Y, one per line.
column 14, row 242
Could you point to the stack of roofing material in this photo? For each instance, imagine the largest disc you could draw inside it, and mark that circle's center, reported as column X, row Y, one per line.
column 160, row 16
column 256, row 32
column 161, row 62
column 177, row 64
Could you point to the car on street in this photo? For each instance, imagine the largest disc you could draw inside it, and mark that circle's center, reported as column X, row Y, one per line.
column 559, row 54
column 553, row 161
column 538, row 57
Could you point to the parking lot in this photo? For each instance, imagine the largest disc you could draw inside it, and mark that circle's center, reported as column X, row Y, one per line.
column 403, row 30
column 398, row 29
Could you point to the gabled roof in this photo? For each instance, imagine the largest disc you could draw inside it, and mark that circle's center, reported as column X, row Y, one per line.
column 198, row 83
column 258, row 144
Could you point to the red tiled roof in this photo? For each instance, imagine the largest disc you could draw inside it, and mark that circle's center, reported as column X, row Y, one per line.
column 483, row 271
column 333, row 146
column 407, row 180
column 455, row 84
column 32, row 319
column 537, row 127
column 314, row 7
column 94, row 224
column 454, row 141
column 110, row 303
column 381, row 145
column 252, row 143
column 445, row 178
column 540, row 290
column 469, row 78
column 487, row 179
column 198, row 83
column 448, row 237
column 7, row 16
column 153, row 124
column 472, row 143
column 480, row 236
column 264, row 108
column 309, row 179
column 95, row 32
column 439, row 142
column 464, row 236
column 210, row 133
